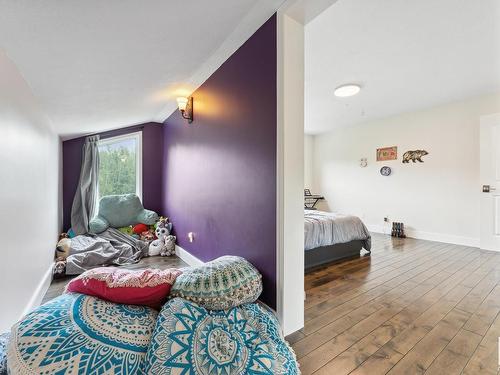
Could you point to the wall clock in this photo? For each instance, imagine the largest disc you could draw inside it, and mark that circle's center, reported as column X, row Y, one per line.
column 385, row 171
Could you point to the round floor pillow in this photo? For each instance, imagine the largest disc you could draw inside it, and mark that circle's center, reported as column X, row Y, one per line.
column 79, row 334
column 243, row 340
column 221, row 284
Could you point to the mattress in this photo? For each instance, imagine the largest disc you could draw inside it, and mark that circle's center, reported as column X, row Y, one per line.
column 328, row 228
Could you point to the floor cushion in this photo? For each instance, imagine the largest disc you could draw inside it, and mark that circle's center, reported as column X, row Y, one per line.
column 4, row 339
column 189, row 339
column 149, row 287
column 221, row 284
column 78, row 334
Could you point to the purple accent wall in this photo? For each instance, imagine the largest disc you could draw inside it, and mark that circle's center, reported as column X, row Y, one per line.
column 152, row 156
column 219, row 178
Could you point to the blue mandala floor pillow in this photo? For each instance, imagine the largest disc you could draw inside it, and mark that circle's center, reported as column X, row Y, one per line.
column 4, row 339
column 78, row 334
column 189, row 339
column 221, row 284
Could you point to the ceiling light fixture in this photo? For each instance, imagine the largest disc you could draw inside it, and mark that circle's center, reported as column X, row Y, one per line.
column 345, row 91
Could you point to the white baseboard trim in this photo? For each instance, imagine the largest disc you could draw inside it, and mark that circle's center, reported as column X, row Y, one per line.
column 41, row 289
column 187, row 257
column 429, row 236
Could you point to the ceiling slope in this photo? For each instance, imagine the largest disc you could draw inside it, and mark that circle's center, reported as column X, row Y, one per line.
column 99, row 65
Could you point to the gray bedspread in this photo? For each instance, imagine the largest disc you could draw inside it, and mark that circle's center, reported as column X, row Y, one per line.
column 110, row 247
column 326, row 228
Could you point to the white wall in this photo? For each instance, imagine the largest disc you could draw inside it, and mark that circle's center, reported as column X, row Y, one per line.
column 437, row 199
column 29, row 196
column 290, row 218
column 308, row 161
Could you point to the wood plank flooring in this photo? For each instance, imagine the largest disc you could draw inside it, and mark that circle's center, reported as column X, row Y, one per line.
column 411, row 307
column 57, row 286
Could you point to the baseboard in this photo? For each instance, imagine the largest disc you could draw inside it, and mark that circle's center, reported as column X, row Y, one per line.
column 429, row 236
column 187, row 257
column 41, row 289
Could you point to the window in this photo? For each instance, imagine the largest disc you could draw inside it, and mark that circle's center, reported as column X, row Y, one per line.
column 120, row 166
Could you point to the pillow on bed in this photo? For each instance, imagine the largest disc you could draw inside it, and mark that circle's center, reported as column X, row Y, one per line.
column 78, row 334
column 243, row 340
column 221, row 284
column 149, row 287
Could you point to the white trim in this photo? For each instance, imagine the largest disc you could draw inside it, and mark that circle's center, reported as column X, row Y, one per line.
column 430, row 236
column 290, row 173
column 41, row 289
column 137, row 136
column 187, row 257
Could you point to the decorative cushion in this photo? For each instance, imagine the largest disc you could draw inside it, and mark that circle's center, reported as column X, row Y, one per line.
column 78, row 334
column 223, row 283
column 4, row 339
column 149, row 287
column 243, row 340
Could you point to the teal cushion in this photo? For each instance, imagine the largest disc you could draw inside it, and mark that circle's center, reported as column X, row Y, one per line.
column 221, row 284
column 78, row 334
column 189, row 339
column 117, row 211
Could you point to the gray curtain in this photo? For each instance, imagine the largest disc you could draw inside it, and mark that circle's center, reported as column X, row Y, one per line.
column 84, row 203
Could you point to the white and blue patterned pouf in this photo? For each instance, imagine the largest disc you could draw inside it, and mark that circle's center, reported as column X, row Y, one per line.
column 188, row 339
column 78, row 334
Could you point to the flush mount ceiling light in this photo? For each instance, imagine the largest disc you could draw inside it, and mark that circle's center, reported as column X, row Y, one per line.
column 345, row 91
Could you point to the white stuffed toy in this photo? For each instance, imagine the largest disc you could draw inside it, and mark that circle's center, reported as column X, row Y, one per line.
column 169, row 248
column 159, row 246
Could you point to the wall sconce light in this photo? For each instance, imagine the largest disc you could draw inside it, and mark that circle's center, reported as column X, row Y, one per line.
column 186, row 107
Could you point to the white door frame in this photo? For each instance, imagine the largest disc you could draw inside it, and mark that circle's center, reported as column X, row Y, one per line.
column 485, row 122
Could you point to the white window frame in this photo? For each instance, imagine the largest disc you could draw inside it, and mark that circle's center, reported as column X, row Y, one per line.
column 137, row 136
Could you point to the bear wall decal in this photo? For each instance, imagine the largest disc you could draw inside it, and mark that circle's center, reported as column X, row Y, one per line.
column 414, row 156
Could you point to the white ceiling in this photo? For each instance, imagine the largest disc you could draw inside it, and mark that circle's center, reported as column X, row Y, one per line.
column 407, row 55
column 96, row 65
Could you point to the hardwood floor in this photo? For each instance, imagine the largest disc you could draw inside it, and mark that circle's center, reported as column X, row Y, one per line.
column 411, row 307
column 57, row 286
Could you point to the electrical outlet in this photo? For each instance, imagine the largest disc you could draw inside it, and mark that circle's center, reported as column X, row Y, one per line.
column 386, row 219
column 191, row 236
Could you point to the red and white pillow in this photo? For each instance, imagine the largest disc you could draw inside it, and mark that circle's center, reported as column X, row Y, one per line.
column 149, row 287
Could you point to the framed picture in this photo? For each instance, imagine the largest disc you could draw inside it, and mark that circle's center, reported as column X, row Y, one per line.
column 387, row 153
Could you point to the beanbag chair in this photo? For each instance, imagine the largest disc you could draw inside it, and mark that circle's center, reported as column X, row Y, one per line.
column 221, row 284
column 149, row 287
column 78, row 334
column 189, row 339
column 118, row 211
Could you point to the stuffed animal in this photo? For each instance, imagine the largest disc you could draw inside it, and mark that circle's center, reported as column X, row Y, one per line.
column 169, row 248
column 148, row 236
column 63, row 248
column 158, row 246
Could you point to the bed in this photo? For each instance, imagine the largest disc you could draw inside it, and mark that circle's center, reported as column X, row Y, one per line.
column 331, row 236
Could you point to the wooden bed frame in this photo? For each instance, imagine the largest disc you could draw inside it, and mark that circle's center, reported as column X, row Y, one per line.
column 326, row 254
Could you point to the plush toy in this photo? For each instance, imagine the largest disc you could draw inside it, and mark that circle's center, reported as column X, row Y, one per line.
column 158, row 246
column 148, row 236
column 59, row 269
column 169, row 248
column 127, row 230
column 139, row 228
column 63, row 247
column 165, row 222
